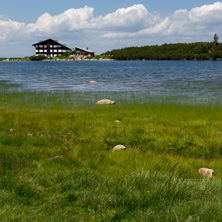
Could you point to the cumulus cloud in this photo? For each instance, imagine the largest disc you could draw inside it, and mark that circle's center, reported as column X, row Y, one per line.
column 126, row 19
column 70, row 20
column 9, row 29
column 198, row 21
column 132, row 24
column 131, row 18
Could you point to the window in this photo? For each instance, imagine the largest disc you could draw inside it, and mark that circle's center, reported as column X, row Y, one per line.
column 37, row 50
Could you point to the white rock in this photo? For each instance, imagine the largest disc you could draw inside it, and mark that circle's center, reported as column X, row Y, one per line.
column 92, row 81
column 119, row 147
column 206, row 172
column 106, row 102
column 117, row 121
column 56, row 157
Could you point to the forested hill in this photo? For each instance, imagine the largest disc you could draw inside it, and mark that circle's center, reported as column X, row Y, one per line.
column 179, row 51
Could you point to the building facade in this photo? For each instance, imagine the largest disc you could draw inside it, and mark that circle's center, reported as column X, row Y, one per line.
column 81, row 52
column 50, row 48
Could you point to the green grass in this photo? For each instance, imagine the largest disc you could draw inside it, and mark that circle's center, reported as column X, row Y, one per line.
column 57, row 164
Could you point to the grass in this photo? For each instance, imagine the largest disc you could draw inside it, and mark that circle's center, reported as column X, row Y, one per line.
column 57, row 164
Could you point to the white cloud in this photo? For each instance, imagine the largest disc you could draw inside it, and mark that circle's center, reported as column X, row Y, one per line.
column 10, row 29
column 135, row 17
column 200, row 21
column 132, row 25
column 207, row 13
column 132, row 18
column 70, row 20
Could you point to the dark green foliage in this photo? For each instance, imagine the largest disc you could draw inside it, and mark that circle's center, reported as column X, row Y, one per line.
column 15, row 59
column 201, row 48
column 37, row 58
column 179, row 51
column 216, row 39
column 63, row 56
column 2, row 59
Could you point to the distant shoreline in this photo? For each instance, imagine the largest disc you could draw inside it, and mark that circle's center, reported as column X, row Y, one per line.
column 79, row 60
column 54, row 60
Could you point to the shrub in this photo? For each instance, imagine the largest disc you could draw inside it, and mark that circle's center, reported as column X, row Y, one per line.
column 37, row 58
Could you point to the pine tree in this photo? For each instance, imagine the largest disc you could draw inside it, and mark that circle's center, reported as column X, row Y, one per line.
column 216, row 39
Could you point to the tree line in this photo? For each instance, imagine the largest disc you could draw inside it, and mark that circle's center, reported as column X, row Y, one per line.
column 179, row 51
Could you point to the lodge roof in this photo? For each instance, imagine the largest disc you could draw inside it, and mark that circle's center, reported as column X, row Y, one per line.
column 50, row 41
column 84, row 49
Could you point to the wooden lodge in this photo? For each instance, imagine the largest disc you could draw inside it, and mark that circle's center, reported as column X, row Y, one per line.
column 50, row 48
column 81, row 52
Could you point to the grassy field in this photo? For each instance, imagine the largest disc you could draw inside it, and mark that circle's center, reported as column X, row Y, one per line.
column 57, row 164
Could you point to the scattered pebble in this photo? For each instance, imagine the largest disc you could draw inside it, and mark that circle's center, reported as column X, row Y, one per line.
column 92, row 81
column 119, row 147
column 117, row 121
column 11, row 130
column 55, row 157
column 206, row 172
column 105, row 101
column 39, row 134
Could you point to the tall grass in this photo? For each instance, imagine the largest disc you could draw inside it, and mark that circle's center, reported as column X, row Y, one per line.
column 57, row 164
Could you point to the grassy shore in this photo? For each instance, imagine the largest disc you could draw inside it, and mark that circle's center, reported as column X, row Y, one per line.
column 57, row 164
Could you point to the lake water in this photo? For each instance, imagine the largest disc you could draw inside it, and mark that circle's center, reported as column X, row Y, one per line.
column 172, row 78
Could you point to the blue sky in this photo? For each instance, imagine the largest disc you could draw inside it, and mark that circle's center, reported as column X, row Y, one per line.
column 105, row 25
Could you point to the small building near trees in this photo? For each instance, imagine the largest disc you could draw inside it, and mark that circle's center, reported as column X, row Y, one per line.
column 81, row 52
column 50, row 48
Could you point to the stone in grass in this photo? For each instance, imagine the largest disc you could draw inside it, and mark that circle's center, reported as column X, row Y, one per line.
column 206, row 172
column 117, row 121
column 105, row 102
column 56, row 157
column 119, row 147
column 92, row 81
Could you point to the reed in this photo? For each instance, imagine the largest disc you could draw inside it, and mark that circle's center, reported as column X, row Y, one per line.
column 57, row 164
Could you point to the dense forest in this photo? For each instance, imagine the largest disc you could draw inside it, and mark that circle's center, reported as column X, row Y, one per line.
column 179, row 51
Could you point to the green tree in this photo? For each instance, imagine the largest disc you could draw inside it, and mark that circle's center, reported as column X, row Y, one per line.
column 37, row 58
column 216, row 39
column 201, row 48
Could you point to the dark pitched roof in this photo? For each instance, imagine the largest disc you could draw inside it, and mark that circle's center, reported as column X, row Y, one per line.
column 50, row 41
column 85, row 49
column 81, row 48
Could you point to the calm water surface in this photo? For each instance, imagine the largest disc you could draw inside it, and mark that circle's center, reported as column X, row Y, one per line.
column 193, row 78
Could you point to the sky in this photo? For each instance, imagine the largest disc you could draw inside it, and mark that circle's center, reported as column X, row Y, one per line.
column 105, row 25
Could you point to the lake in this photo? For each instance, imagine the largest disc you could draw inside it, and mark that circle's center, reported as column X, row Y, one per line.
column 199, row 79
